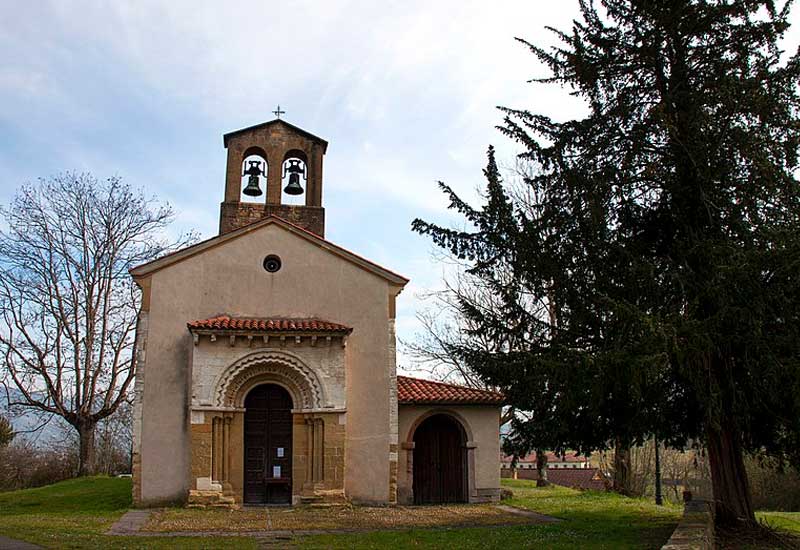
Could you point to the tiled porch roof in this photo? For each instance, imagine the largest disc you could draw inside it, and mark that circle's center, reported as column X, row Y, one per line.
column 225, row 322
column 416, row 391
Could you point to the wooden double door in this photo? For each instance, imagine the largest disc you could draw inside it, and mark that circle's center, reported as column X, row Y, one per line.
column 268, row 446
column 440, row 469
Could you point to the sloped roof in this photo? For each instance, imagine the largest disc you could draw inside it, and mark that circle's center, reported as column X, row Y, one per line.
column 416, row 391
column 274, row 324
column 307, row 134
column 569, row 456
column 188, row 252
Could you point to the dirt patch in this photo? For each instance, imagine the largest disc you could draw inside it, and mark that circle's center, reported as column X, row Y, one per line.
column 332, row 519
column 759, row 537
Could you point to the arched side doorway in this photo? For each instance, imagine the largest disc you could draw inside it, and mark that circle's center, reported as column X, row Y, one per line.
column 440, row 461
column 268, row 445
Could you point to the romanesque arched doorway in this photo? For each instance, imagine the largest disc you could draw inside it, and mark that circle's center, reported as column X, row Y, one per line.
column 440, row 465
column 268, row 445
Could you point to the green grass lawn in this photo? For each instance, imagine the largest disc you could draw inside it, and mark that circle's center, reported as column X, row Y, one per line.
column 77, row 513
column 787, row 521
column 590, row 520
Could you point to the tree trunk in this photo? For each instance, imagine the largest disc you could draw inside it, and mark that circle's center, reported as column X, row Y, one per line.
column 659, row 498
column 541, row 468
column 622, row 469
column 734, row 504
column 86, row 446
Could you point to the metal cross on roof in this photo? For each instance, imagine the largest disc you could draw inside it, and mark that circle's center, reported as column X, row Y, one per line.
column 277, row 112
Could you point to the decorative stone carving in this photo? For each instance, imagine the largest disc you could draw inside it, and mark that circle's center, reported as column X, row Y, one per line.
column 274, row 366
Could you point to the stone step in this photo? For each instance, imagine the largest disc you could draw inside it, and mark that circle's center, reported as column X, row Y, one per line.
column 202, row 499
column 325, row 499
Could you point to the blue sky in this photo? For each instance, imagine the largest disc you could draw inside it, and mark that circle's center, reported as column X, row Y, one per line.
column 405, row 93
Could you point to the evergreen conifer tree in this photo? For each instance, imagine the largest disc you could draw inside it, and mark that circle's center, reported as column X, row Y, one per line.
column 665, row 234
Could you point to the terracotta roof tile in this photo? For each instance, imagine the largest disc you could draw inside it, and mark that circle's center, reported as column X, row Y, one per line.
column 416, row 391
column 569, row 456
column 225, row 322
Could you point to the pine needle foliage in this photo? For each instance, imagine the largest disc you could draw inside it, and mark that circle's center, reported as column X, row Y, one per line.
column 661, row 232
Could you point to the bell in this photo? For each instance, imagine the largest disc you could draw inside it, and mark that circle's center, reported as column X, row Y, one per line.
column 294, row 170
column 252, row 189
column 293, row 187
column 254, row 170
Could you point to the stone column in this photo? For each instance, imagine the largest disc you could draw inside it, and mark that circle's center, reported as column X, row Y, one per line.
column 309, row 451
column 472, row 492
column 274, row 176
column 215, row 450
column 319, row 450
column 226, row 449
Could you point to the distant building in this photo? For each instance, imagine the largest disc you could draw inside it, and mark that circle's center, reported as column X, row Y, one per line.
column 568, row 470
column 570, row 460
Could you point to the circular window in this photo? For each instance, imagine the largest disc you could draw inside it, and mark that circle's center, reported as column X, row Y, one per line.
column 272, row 263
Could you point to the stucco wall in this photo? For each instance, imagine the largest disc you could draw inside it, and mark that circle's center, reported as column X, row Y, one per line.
column 482, row 426
column 230, row 279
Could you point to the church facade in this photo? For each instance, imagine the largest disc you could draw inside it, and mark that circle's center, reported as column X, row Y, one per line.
column 266, row 366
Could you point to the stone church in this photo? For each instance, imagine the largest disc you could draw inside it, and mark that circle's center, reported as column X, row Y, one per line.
column 266, row 361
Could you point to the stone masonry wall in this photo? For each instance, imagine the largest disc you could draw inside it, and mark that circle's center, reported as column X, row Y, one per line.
column 138, row 393
column 317, row 462
column 392, row 370
column 696, row 528
column 234, row 215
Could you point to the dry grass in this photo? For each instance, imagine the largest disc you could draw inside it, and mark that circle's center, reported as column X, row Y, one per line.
column 333, row 518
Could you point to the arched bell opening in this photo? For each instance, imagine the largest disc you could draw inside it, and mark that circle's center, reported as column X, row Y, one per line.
column 294, row 177
column 254, row 175
column 268, row 445
column 440, row 465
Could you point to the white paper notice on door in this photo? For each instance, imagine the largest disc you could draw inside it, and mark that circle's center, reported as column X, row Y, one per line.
column 276, row 471
column 280, row 452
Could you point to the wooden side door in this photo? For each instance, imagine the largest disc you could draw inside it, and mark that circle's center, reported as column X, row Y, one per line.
column 439, row 462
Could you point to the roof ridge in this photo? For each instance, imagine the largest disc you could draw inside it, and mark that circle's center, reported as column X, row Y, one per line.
column 266, row 318
column 225, row 322
column 264, row 124
column 322, row 242
column 413, row 390
column 359, row 256
column 449, row 384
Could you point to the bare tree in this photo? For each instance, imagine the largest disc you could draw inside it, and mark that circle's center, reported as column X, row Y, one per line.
column 443, row 329
column 6, row 431
column 68, row 307
column 114, row 442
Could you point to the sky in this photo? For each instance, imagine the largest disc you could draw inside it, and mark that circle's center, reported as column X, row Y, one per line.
column 404, row 92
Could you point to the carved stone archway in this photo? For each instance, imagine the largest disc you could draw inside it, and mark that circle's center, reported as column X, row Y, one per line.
column 309, row 399
column 273, row 366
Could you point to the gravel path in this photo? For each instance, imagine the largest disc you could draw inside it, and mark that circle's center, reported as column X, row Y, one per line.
column 130, row 523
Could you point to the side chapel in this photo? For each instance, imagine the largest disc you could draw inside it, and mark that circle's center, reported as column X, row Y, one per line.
column 266, row 361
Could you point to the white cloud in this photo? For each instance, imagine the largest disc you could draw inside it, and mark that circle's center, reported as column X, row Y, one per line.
column 405, row 91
